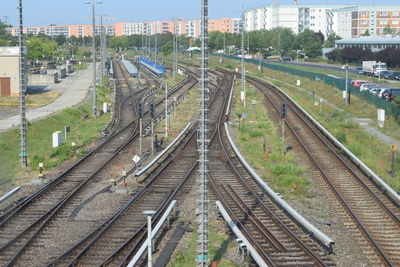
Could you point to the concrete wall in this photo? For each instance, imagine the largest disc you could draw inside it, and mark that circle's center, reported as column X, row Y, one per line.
column 38, row 79
column 61, row 71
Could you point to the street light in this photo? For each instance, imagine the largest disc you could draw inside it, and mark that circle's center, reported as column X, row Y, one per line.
column 149, row 214
column 93, row 3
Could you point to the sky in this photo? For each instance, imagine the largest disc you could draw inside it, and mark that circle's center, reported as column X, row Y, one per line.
column 59, row 12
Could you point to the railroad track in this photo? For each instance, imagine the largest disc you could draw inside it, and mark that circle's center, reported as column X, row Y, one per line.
column 116, row 241
column 276, row 238
column 370, row 214
column 46, row 208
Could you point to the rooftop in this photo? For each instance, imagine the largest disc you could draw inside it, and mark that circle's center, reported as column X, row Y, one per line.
column 371, row 40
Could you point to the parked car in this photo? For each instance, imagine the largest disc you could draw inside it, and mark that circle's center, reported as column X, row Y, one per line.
column 391, row 94
column 358, row 83
column 359, row 70
column 367, row 86
column 378, row 91
column 387, row 75
column 287, row 58
column 396, row 75
column 274, row 57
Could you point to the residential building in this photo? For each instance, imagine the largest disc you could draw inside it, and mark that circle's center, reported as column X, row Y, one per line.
column 371, row 20
column 9, row 71
column 375, row 43
column 344, row 20
column 66, row 30
column 296, row 17
column 189, row 28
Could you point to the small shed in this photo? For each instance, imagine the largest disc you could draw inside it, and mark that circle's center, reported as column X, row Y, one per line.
column 9, row 70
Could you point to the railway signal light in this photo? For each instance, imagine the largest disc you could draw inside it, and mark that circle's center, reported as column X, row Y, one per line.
column 284, row 110
column 140, row 110
column 152, row 110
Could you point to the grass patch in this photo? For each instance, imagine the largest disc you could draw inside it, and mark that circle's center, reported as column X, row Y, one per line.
column 185, row 111
column 279, row 171
column 39, row 141
column 218, row 240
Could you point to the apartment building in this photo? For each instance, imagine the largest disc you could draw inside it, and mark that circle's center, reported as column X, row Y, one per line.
column 344, row 20
column 296, row 17
column 367, row 20
column 66, row 30
column 189, row 28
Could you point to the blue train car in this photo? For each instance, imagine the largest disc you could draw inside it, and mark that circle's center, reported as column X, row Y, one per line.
column 158, row 70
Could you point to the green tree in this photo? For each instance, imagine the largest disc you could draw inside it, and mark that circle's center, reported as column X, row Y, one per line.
column 366, row 33
column 309, row 42
column 281, row 40
column 40, row 48
column 388, row 30
column 5, row 37
column 166, row 49
column 119, row 42
column 330, row 41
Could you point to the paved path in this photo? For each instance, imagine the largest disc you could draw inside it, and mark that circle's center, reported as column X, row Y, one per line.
column 75, row 88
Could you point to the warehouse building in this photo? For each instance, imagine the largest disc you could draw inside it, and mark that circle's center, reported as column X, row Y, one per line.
column 9, row 71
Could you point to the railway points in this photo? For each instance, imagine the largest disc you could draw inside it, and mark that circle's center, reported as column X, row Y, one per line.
column 214, row 167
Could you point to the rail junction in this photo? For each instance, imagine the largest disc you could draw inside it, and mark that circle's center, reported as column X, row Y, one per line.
column 54, row 226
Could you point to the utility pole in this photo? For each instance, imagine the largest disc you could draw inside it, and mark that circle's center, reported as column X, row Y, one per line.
column 243, row 91
column 203, row 142
column 93, row 3
column 101, row 51
column 155, row 46
column 166, row 109
column 174, row 51
column 22, row 87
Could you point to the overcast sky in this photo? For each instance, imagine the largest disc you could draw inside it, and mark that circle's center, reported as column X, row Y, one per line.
column 45, row 12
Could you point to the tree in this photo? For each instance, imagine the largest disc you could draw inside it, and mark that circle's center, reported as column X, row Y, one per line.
column 281, row 40
column 330, row 41
column 388, row 30
column 119, row 42
column 5, row 37
column 166, row 49
column 310, row 42
column 40, row 48
column 366, row 33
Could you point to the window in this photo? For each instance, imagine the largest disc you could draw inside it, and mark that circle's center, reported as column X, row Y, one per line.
column 383, row 13
column 364, row 13
column 383, row 22
column 364, row 22
column 395, row 13
column 312, row 17
column 395, row 22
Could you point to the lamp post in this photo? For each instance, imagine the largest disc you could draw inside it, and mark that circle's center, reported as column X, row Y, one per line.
column 149, row 214
column 93, row 3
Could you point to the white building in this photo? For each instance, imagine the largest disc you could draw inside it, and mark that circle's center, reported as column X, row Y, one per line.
column 345, row 20
column 296, row 17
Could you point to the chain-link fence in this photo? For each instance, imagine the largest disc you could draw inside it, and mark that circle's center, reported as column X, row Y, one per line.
column 389, row 107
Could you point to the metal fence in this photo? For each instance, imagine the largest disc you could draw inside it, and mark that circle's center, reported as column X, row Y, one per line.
column 389, row 107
